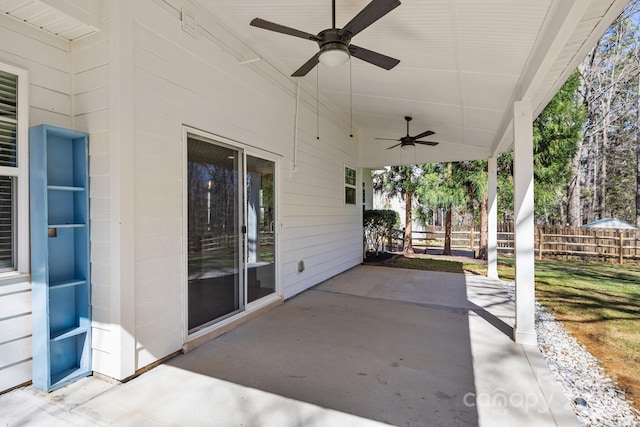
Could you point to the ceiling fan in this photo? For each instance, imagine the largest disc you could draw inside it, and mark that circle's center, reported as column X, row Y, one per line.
column 335, row 43
column 411, row 141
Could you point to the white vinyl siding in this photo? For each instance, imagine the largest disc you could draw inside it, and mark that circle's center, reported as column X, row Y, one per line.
column 133, row 86
column 91, row 100
column 181, row 80
column 41, row 63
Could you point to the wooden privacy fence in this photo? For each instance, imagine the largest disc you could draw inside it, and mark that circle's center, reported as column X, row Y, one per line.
column 226, row 242
column 603, row 244
column 557, row 242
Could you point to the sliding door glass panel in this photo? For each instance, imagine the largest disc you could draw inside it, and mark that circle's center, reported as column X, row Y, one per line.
column 214, row 240
column 260, row 228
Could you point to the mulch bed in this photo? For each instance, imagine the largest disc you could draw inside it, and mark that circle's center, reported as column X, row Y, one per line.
column 382, row 258
column 387, row 257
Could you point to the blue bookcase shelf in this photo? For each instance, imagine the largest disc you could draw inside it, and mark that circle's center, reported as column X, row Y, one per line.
column 59, row 197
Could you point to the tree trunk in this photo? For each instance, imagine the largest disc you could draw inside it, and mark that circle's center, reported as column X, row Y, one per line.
column 574, row 216
column 483, row 248
column 591, row 178
column 408, row 230
column 590, row 71
column 574, row 189
column 447, row 233
column 638, row 158
column 602, row 186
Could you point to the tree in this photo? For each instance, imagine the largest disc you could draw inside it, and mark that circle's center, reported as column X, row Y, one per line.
column 442, row 187
column 402, row 182
column 607, row 165
column 595, row 116
column 556, row 135
column 474, row 178
column 505, row 187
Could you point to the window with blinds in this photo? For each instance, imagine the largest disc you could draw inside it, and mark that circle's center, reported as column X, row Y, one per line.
column 8, row 161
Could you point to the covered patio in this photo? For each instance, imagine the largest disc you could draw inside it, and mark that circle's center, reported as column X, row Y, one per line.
column 155, row 83
column 371, row 345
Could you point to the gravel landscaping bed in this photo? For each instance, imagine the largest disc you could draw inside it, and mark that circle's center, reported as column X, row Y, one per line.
column 594, row 396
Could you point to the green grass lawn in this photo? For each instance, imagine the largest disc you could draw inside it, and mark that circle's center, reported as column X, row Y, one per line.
column 598, row 303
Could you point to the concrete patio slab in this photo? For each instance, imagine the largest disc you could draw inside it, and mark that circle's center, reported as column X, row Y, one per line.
column 372, row 345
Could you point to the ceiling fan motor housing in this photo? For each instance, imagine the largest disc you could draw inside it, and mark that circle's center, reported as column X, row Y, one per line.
column 331, row 40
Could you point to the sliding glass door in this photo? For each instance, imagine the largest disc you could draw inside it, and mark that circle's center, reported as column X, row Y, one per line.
column 230, row 231
column 214, row 232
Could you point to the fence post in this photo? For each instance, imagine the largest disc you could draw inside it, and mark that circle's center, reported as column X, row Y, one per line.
column 540, row 237
column 471, row 239
column 621, row 254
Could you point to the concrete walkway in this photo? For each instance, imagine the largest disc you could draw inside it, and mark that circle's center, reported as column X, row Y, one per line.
column 372, row 345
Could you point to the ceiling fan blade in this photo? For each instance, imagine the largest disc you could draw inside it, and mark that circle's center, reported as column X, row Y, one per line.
column 430, row 143
column 374, row 58
column 387, row 139
column 394, row 146
column 307, row 66
column 271, row 26
column 423, row 134
column 367, row 16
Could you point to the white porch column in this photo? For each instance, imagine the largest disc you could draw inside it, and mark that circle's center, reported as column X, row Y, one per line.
column 121, row 360
column 524, row 330
column 492, row 211
column 367, row 182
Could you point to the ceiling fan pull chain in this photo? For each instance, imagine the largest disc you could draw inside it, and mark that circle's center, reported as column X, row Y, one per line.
column 351, row 98
column 317, row 103
column 295, row 127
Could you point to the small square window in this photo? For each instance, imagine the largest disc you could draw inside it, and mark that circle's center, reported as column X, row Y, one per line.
column 349, row 185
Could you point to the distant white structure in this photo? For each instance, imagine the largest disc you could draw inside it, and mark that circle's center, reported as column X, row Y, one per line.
column 610, row 223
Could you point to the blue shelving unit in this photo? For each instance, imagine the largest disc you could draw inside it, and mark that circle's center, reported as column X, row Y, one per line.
column 60, row 277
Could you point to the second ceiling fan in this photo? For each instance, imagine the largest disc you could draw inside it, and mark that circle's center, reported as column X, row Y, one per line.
column 335, row 43
column 411, row 141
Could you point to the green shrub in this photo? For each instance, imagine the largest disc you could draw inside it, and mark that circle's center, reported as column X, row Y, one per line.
column 377, row 224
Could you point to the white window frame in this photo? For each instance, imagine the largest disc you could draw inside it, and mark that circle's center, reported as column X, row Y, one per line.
column 21, row 172
column 346, row 185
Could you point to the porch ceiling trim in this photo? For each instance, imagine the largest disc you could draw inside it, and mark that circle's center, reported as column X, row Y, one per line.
column 63, row 18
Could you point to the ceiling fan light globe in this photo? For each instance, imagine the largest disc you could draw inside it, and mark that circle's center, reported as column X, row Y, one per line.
column 408, row 147
column 333, row 57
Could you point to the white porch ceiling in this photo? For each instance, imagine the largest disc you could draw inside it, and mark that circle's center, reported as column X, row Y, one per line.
column 462, row 64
